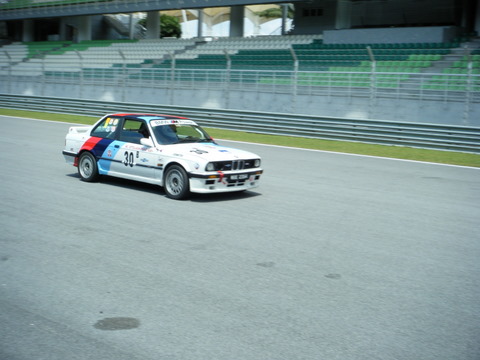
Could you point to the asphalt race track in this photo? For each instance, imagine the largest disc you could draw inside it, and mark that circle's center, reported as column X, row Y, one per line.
column 333, row 257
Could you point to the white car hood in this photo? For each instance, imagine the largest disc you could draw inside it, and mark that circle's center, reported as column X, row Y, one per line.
column 208, row 152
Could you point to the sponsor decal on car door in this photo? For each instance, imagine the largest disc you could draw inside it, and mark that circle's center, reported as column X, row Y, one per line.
column 126, row 155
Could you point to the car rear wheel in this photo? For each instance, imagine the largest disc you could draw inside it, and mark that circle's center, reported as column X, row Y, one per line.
column 176, row 183
column 87, row 167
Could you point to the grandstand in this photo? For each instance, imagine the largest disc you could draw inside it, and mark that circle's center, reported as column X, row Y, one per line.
column 304, row 73
column 302, row 52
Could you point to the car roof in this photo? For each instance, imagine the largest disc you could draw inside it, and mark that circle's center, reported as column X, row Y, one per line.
column 149, row 116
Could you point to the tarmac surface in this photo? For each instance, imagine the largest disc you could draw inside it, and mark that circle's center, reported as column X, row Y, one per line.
column 333, row 257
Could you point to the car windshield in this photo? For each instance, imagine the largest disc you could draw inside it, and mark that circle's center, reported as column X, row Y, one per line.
column 167, row 134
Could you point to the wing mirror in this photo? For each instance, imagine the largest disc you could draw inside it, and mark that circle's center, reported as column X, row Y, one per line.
column 146, row 142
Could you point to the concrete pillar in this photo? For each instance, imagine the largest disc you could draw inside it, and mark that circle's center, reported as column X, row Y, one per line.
column 477, row 20
column 62, row 31
column 237, row 13
column 153, row 25
column 84, row 28
column 284, row 18
column 27, row 31
column 471, row 15
column 200, row 23
column 131, row 27
column 344, row 15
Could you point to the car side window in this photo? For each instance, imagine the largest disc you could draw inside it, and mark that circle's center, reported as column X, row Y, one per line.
column 106, row 128
column 133, row 131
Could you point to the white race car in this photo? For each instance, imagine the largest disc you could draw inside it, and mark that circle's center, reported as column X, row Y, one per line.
column 170, row 151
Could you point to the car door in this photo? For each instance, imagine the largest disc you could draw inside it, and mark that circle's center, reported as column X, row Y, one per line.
column 126, row 156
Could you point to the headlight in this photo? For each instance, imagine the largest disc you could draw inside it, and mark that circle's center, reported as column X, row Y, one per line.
column 210, row 167
column 257, row 163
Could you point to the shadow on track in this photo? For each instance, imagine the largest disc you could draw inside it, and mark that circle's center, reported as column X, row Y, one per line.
column 155, row 189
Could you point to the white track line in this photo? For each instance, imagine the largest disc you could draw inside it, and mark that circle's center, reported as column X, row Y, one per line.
column 285, row 147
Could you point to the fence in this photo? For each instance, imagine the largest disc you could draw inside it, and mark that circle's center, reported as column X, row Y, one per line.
column 173, row 86
column 433, row 83
column 387, row 82
column 457, row 138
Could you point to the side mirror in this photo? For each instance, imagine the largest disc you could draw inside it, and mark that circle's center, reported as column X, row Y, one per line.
column 146, row 142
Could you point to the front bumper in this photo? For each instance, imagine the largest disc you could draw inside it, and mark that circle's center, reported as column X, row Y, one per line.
column 225, row 181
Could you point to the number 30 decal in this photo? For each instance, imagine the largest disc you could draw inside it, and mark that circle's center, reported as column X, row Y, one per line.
column 129, row 157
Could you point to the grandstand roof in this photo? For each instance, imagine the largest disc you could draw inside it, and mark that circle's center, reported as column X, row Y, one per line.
column 25, row 9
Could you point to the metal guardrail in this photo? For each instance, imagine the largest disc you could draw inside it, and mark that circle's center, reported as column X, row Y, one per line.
column 419, row 135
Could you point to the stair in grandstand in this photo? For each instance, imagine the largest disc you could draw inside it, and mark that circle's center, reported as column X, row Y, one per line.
column 454, row 72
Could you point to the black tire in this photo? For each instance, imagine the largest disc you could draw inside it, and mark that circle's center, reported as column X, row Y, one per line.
column 87, row 167
column 176, row 183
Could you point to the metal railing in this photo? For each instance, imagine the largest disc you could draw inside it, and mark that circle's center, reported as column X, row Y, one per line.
column 461, row 90
column 450, row 78
column 431, row 86
column 430, row 136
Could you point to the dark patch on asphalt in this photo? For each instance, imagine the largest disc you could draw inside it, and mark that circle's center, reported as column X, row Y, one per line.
column 267, row 264
column 199, row 247
column 333, row 276
column 117, row 323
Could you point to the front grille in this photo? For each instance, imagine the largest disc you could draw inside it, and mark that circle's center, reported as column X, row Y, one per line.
column 238, row 165
column 234, row 165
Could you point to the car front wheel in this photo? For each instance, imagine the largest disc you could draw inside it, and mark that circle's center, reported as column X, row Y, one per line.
column 176, row 183
column 87, row 167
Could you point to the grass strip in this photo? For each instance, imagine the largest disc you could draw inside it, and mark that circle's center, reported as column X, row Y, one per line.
column 397, row 152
